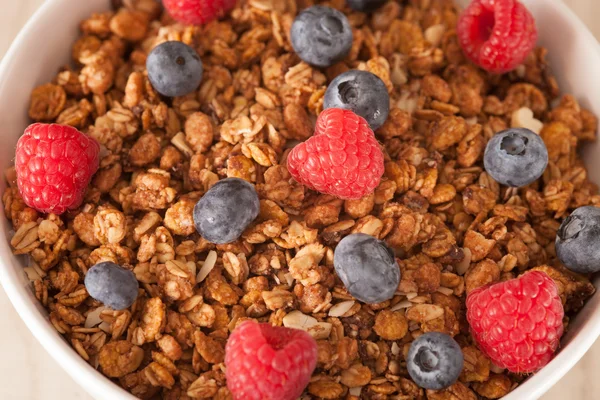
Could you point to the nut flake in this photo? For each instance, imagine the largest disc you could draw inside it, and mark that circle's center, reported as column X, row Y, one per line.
column 297, row 320
column 207, row 266
column 523, row 118
column 342, row 308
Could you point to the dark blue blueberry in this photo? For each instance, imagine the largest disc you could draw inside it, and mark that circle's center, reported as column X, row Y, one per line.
column 321, row 36
column 112, row 285
column 174, row 69
column 367, row 267
column 365, row 5
column 362, row 93
column 226, row 210
column 515, row 157
column 578, row 240
column 434, row 361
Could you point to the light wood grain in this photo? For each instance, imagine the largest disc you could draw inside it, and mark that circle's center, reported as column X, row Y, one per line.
column 28, row 373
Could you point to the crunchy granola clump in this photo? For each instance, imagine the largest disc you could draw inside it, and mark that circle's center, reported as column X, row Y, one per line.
column 453, row 227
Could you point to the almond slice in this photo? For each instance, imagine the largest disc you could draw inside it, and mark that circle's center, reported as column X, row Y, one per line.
column 207, row 266
column 93, row 317
column 523, row 118
column 340, row 309
column 298, row 320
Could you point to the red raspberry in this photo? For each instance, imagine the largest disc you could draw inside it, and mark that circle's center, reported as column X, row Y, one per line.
column 54, row 165
column 264, row 362
column 517, row 323
column 342, row 158
column 497, row 35
column 197, row 12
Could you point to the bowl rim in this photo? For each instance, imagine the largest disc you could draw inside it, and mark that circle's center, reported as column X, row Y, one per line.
column 83, row 373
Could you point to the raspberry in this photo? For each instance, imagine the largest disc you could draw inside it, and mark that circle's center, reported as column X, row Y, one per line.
column 497, row 35
column 265, row 362
column 517, row 323
column 197, row 12
column 54, row 165
column 343, row 157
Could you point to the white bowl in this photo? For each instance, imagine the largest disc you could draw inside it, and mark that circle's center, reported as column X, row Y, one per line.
column 44, row 45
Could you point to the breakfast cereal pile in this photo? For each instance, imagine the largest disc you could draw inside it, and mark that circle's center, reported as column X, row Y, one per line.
column 453, row 228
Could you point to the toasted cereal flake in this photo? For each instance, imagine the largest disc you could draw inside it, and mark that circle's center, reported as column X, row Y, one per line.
column 320, row 330
column 207, row 266
column 342, row 308
column 192, row 267
column 424, row 312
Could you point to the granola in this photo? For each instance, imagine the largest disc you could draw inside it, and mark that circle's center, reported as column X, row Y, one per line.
column 453, row 227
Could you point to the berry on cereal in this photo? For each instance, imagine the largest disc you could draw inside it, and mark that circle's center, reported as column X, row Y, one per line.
column 54, row 165
column 365, row 5
column 361, row 92
column 434, row 360
column 226, row 210
column 342, row 158
column 198, row 12
column 367, row 267
column 515, row 157
column 268, row 362
column 321, row 36
column 174, row 69
column 517, row 323
column 497, row 35
column 577, row 240
column 112, row 285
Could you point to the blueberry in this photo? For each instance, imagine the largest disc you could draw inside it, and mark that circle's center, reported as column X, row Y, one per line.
column 226, row 210
column 365, row 5
column 321, row 36
column 515, row 157
column 112, row 285
column 362, row 93
column 174, row 69
column 577, row 240
column 367, row 267
column 434, row 361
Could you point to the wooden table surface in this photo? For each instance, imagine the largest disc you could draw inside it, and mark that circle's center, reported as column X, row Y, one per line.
column 28, row 373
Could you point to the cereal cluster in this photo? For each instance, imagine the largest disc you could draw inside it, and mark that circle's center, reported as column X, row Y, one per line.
column 453, row 228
